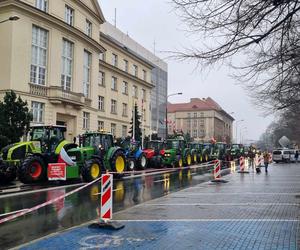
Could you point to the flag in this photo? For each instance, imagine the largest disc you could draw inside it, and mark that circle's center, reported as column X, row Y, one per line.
column 65, row 158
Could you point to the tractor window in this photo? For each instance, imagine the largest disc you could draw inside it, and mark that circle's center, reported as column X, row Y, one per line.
column 38, row 134
column 173, row 144
column 87, row 141
column 56, row 132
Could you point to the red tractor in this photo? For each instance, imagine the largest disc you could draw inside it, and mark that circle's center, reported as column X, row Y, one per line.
column 153, row 152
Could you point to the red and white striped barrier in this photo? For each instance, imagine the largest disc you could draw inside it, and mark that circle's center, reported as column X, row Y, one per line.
column 232, row 167
column 217, row 170
column 106, row 197
column 242, row 164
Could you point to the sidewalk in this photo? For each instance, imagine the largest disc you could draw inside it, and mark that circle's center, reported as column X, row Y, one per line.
column 251, row 211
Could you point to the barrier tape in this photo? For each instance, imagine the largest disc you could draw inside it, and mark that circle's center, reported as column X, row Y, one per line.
column 29, row 210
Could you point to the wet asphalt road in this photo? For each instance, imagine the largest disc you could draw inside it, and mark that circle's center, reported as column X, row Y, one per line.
column 83, row 206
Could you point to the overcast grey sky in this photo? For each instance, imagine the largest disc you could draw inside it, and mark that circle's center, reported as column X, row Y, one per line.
column 147, row 21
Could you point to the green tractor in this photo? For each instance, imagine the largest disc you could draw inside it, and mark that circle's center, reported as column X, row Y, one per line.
column 29, row 160
column 220, row 151
column 201, row 150
column 96, row 154
column 177, row 153
column 236, row 151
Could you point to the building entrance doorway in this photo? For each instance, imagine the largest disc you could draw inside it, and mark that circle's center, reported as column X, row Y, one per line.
column 70, row 122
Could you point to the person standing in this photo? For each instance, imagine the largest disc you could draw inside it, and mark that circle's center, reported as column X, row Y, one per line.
column 266, row 161
column 296, row 155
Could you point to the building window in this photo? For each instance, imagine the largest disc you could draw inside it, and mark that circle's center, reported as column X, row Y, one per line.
column 69, row 15
column 37, row 109
column 88, row 28
column 87, row 73
column 195, row 115
column 144, row 75
column 125, row 109
column 101, row 103
column 114, row 83
column 113, row 106
column 124, row 131
column 114, row 60
column 67, row 65
column 39, row 55
column 195, row 123
column 135, row 70
column 100, row 125
column 189, row 115
column 195, row 133
column 144, row 95
column 135, row 91
column 125, row 88
column 42, row 5
column 102, row 56
column 101, row 78
column 125, row 65
column 201, row 114
column 113, row 129
column 86, row 120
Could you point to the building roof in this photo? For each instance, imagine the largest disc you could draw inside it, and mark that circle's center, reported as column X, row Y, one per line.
column 197, row 104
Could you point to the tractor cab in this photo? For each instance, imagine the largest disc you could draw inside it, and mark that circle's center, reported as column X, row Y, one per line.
column 47, row 138
column 101, row 142
column 156, row 146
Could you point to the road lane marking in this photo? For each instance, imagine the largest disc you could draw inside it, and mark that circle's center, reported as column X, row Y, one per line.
column 208, row 220
column 230, row 194
column 222, row 204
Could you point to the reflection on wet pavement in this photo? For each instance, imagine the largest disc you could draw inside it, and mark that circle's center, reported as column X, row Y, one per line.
column 83, row 206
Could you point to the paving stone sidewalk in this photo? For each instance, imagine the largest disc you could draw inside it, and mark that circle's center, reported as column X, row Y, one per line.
column 251, row 211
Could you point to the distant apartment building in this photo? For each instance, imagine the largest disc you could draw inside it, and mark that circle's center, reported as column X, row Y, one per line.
column 158, row 76
column 203, row 119
column 70, row 73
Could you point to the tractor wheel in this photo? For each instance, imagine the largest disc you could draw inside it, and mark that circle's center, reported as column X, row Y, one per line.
column 206, row 158
column 179, row 163
column 118, row 162
column 157, row 162
column 33, row 169
column 200, row 158
column 7, row 173
column 188, row 159
column 142, row 162
column 131, row 164
column 194, row 158
column 91, row 170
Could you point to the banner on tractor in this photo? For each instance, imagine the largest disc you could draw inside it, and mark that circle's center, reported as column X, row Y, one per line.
column 57, row 172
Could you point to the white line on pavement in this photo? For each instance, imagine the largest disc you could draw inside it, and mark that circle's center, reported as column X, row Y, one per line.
column 40, row 190
column 222, row 204
column 13, row 212
column 208, row 220
column 240, row 193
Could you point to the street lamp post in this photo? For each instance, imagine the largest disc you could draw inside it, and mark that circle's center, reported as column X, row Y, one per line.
column 11, row 18
column 180, row 93
column 236, row 129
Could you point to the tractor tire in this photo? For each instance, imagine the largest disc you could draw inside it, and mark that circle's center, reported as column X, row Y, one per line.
column 142, row 162
column 118, row 162
column 7, row 174
column 206, row 158
column 179, row 163
column 91, row 170
column 33, row 169
column 194, row 158
column 157, row 162
column 131, row 165
column 188, row 159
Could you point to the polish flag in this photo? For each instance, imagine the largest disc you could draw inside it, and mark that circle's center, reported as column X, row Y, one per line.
column 64, row 158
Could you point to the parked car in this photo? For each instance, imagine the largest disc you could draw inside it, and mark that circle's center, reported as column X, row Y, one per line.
column 284, row 155
column 277, row 155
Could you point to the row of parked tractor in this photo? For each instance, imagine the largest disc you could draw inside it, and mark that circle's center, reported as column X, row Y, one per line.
column 97, row 152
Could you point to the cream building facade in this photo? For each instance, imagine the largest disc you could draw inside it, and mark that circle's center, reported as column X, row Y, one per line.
column 50, row 57
column 203, row 119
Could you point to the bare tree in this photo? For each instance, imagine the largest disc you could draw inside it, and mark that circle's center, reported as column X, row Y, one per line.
column 265, row 32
